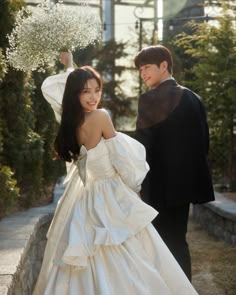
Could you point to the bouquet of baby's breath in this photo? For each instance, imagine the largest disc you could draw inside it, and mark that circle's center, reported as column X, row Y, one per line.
column 39, row 35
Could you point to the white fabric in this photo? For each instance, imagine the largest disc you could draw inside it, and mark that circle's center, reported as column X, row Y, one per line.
column 101, row 240
column 53, row 90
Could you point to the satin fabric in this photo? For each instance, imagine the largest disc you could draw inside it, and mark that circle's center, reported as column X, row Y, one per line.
column 101, row 240
column 53, row 90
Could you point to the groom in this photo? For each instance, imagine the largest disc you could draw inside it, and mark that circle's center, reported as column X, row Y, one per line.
column 172, row 125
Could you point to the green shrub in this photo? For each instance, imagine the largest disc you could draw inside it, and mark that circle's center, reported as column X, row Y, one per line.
column 27, row 125
column 9, row 192
column 32, row 169
column 212, row 51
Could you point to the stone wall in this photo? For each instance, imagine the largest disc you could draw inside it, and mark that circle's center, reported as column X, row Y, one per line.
column 28, row 270
column 218, row 218
column 22, row 244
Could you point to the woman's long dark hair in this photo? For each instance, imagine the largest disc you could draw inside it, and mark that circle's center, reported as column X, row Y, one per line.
column 72, row 117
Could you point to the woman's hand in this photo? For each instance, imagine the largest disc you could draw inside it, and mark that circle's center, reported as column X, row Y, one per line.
column 66, row 58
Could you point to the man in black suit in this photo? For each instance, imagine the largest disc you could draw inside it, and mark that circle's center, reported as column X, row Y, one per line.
column 172, row 125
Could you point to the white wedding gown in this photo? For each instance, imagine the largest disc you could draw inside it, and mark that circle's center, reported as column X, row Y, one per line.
column 101, row 240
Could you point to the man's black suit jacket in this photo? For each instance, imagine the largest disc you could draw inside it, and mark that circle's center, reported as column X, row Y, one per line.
column 172, row 125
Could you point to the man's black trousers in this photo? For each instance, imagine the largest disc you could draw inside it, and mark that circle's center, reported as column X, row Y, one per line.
column 171, row 223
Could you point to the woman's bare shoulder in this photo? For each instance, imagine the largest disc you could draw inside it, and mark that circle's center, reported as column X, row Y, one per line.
column 98, row 124
column 99, row 114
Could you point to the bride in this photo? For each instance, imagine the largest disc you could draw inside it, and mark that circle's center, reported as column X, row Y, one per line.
column 101, row 240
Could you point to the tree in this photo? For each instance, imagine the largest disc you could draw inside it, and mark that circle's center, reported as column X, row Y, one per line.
column 213, row 48
column 27, row 127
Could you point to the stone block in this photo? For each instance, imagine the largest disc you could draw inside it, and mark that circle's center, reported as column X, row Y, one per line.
column 5, row 280
column 4, row 290
column 8, row 269
column 229, row 226
column 218, row 217
column 227, row 237
column 233, row 239
column 22, row 244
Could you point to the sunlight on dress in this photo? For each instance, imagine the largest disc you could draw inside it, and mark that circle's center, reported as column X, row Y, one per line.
column 101, row 240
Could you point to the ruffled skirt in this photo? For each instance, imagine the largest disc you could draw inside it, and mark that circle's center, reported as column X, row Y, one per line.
column 109, row 247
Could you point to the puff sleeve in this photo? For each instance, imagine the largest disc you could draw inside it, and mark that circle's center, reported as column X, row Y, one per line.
column 53, row 89
column 129, row 159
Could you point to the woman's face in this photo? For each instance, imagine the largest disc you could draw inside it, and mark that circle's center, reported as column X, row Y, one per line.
column 90, row 96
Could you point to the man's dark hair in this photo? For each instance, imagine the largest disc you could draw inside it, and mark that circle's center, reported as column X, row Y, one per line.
column 154, row 55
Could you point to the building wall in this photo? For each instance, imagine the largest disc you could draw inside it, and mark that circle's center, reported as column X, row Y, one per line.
column 174, row 22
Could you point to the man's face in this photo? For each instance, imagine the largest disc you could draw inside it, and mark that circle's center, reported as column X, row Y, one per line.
column 152, row 75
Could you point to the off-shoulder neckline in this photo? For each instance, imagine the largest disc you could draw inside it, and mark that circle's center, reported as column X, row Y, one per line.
column 101, row 140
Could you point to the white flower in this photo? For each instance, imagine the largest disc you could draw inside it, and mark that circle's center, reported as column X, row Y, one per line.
column 38, row 36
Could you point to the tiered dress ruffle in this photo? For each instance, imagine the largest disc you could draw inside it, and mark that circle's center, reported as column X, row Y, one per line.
column 101, row 241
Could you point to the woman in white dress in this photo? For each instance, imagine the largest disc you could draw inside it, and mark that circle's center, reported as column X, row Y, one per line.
column 101, row 240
